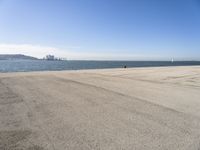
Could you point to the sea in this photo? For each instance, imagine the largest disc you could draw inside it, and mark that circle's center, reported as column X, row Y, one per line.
column 44, row 65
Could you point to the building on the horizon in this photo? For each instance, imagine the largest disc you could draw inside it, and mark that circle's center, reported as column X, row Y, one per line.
column 53, row 58
column 50, row 57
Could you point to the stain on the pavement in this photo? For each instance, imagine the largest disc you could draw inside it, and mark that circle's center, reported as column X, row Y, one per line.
column 7, row 96
column 10, row 140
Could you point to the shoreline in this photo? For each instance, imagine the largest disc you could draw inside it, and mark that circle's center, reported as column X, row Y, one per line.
column 98, row 69
column 29, row 66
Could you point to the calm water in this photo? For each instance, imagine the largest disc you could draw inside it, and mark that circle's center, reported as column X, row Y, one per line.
column 41, row 65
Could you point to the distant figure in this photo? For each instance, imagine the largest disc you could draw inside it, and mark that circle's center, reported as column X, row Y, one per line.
column 125, row 66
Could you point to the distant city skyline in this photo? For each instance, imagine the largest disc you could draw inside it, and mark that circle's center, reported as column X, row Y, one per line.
column 101, row 30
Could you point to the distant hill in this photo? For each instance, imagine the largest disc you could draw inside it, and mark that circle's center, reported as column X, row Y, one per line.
column 16, row 57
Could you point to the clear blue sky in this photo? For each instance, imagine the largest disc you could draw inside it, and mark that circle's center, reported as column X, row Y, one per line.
column 143, row 29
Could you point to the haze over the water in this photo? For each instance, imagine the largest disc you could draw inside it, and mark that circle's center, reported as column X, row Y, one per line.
column 101, row 29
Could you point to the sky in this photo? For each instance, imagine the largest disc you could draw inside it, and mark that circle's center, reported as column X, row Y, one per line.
column 101, row 29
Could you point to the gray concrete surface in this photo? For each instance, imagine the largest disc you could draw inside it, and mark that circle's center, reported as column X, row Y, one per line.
column 114, row 109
